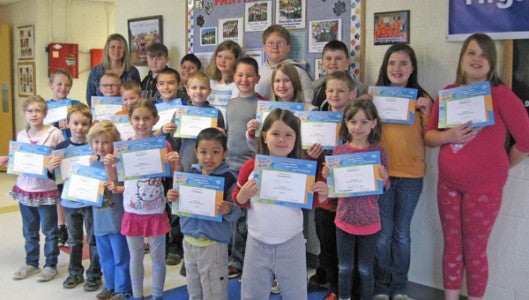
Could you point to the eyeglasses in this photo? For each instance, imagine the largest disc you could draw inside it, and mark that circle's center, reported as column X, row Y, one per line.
column 36, row 111
column 278, row 44
column 106, row 86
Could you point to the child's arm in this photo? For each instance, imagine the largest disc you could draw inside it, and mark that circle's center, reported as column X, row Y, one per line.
column 172, row 195
column 251, row 140
column 516, row 156
column 173, row 158
column 315, row 151
column 4, row 160
column 246, row 192
column 458, row 135
column 114, row 188
column 110, row 162
column 320, row 188
column 54, row 162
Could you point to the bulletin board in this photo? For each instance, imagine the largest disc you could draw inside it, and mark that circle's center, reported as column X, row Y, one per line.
column 310, row 22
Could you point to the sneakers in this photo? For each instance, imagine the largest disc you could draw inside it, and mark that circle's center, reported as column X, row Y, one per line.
column 400, row 297
column 121, row 296
column 25, row 272
column 233, row 272
column 62, row 236
column 381, row 297
column 105, row 294
column 173, row 259
column 183, row 272
column 330, row 296
column 317, row 281
column 48, row 274
column 275, row 287
column 72, row 281
column 92, row 284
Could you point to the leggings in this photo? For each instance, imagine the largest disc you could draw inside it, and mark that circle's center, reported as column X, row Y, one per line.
column 157, row 252
column 467, row 218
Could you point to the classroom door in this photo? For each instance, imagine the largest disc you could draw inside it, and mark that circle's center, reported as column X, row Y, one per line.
column 6, row 91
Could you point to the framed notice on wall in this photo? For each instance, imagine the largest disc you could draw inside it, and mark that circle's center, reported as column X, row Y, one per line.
column 144, row 32
column 26, row 41
column 26, row 78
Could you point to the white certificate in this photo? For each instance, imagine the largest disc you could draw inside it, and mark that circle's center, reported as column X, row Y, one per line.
column 125, row 130
column 83, row 187
column 192, row 124
column 283, row 186
column 137, row 163
column 198, row 201
column 56, row 114
column 106, row 111
column 464, row 110
column 392, row 108
column 166, row 116
column 29, row 163
column 354, row 179
column 67, row 162
column 323, row 133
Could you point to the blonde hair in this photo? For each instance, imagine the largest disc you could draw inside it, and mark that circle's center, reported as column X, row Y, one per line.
column 61, row 72
column 104, row 127
column 126, row 61
column 131, row 85
column 39, row 101
column 200, row 76
column 110, row 75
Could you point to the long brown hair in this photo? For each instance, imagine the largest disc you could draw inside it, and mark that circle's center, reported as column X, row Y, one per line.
column 288, row 118
column 290, row 71
column 487, row 46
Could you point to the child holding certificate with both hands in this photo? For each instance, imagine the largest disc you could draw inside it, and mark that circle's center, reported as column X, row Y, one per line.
column 358, row 218
column 275, row 244
column 144, row 203
column 206, row 242
column 473, row 168
column 37, row 197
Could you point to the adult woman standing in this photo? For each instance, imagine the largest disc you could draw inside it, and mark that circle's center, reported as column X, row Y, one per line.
column 405, row 147
column 116, row 59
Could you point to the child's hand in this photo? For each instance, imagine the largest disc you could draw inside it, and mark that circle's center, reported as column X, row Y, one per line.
column 173, row 158
column 54, row 162
column 224, row 207
column 251, row 127
column 172, row 195
column 383, row 173
column 325, row 171
column 4, row 160
column 110, row 159
column 169, row 127
column 248, row 190
column 424, row 105
column 111, row 186
column 460, row 134
column 321, row 188
column 315, row 150
column 63, row 124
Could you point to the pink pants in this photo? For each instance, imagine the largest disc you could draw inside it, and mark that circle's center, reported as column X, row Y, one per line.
column 466, row 218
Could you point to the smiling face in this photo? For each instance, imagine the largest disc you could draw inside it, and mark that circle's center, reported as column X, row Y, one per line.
column 359, row 127
column 60, row 86
column 338, row 94
column 109, row 86
column 280, row 139
column 142, row 121
column 102, row 144
column 245, row 79
column 399, row 68
column 210, row 155
column 129, row 97
column 167, row 84
column 334, row 60
column 187, row 69
column 79, row 125
column 34, row 115
column 116, row 50
column 283, row 87
column 276, row 48
column 198, row 91
column 157, row 63
column 474, row 63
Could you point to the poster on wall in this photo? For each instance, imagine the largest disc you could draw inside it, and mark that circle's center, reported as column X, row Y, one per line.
column 231, row 29
column 26, row 78
column 143, row 32
column 392, row 27
column 26, row 41
column 323, row 31
column 291, row 13
column 258, row 16
column 208, row 36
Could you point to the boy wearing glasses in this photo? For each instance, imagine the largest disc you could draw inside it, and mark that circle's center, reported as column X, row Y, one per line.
column 276, row 45
column 109, row 85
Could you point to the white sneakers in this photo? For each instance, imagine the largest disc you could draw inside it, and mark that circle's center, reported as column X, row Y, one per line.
column 48, row 274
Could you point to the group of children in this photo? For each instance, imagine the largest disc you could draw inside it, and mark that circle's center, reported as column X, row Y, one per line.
column 267, row 243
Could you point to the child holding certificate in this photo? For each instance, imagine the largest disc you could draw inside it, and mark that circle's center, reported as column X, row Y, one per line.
column 111, row 244
column 275, row 244
column 144, row 203
column 206, row 241
column 405, row 146
column 358, row 218
column 37, row 197
column 78, row 213
column 60, row 83
column 473, row 169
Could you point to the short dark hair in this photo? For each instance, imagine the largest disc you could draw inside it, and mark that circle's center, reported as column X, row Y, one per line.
column 248, row 60
column 157, row 50
column 335, row 45
column 171, row 71
column 214, row 134
column 192, row 58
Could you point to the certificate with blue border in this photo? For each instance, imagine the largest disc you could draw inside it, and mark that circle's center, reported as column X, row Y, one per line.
column 471, row 102
column 166, row 112
column 28, row 159
column 284, row 181
column 190, row 120
column 142, row 158
column 394, row 104
column 57, row 111
column 71, row 155
column 86, row 185
column 354, row 174
column 124, row 127
column 322, row 127
column 103, row 108
column 265, row 107
column 199, row 195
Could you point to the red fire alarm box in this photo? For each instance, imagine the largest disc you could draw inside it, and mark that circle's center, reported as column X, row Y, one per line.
column 64, row 56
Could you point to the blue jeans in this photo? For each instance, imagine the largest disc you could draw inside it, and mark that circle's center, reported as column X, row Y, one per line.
column 115, row 260
column 392, row 260
column 75, row 219
column 42, row 217
column 357, row 249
